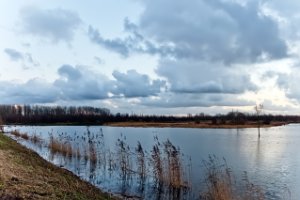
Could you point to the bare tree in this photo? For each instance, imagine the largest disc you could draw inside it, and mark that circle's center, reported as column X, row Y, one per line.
column 258, row 110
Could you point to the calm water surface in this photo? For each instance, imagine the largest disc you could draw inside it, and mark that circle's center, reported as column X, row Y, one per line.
column 271, row 161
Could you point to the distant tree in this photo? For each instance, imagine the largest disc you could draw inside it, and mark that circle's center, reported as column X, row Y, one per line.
column 258, row 110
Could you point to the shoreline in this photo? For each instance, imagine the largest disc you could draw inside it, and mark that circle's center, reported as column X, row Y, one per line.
column 193, row 125
column 26, row 175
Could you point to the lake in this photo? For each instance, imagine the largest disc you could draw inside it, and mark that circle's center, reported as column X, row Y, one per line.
column 271, row 161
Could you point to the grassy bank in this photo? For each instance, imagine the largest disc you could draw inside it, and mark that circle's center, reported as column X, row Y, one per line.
column 25, row 175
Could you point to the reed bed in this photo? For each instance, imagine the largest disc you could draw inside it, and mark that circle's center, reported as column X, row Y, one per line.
column 163, row 166
column 18, row 134
column 221, row 184
column 63, row 148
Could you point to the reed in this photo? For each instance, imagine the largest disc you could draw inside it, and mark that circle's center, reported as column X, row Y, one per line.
column 24, row 136
column 157, row 164
column 54, row 145
column 85, row 155
column 35, row 139
column 141, row 163
column 221, row 184
column 78, row 153
column 110, row 161
column 93, row 154
column 123, row 153
column 68, row 149
column 173, row 166
column 16, row 133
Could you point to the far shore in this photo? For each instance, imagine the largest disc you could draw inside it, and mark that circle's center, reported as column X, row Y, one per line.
column 194, row 125
column 187, row 124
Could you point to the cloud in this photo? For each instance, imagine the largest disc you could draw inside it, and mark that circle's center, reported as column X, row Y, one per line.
column 54, row 24
column 73, row 84
column 289, row 83
column 69, row 72
column 32, row 91
column 132, row 84
column 117, row 45
column 77, row 83
column 134, row 43
column 25, row 58
column 190, row 76
column 99, row 60
column 13, row 54
column 217, row 31
column 176, row 100
column 30, row 60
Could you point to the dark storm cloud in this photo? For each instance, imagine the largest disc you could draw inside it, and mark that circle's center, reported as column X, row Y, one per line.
column 13, row 54
column 133, row 84
column 54, row 24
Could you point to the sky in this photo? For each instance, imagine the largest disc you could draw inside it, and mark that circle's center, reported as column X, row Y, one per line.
column 152, row 56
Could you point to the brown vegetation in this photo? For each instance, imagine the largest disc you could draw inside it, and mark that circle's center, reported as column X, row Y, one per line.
column 64, row 148
column 221, row 184
column 16, row 133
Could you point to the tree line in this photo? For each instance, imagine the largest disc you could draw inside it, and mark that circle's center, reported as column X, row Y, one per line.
column 34, row 114
column 27, row 114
